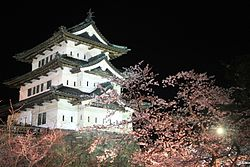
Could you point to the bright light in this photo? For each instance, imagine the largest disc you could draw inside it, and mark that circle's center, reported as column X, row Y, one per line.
column 220, row 131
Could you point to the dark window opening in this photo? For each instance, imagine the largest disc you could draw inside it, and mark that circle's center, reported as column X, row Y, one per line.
column 44, row 118
column 48, row 84
column 42, row 62
column 37, row 88
column 71, row 119
column 29, row 92
column 42, row 87
column 41, row 118
column 47, row 60
column 63, row 118
column 39, row 121
column 34, row 90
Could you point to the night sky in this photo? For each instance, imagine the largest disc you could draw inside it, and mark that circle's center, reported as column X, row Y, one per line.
column 170, row 37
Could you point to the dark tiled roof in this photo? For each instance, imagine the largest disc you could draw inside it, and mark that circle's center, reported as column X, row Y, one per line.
column 75, row 96
column 100, row 72
column 80, row 26
column 86, row 35
column 56, row 92
column 59, row 61
column 104, row 87
column 85, row 24
column 72, row 91
column 64, row 35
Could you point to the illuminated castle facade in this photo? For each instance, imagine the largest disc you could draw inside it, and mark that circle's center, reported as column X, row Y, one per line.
column 61, row 90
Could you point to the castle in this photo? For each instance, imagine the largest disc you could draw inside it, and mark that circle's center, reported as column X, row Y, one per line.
column 67, row 69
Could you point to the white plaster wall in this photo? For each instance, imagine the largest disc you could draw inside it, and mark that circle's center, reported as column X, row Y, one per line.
column 31, row 115
column 25, row 117
column 68, row 78
column 101, row 114
column 80, row 50
column 60, row 49
column 80, row 79
column 107, row 117
column 51, row 114
column 55, row 76
column 67, row 110
column 56, row 110
column 93, row 81
column 91, row 31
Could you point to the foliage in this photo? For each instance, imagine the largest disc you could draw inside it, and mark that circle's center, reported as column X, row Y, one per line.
column 64, row 148
column 182, row 130
column 179, row 130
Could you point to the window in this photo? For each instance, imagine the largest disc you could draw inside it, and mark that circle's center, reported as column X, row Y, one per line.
column 74, row 83
column 41, row 118
column 37, row 88
column 29, row 92
column 84, row 57
column 48, row 84
column 77, row 54
column 51, row 57
column 81, row 117
column 39, row 64
column 42, row 62
column 63, row 118
column 71, row 119
column 47, row 60
column 71, row 53
column 39, row 121
column 44, row 118
column 94, row 84
column 67, row 82
column 88, row 119
column 87, row 83
column 42, row 87
column 34, row 90
column 110, row 122
column 95, row 119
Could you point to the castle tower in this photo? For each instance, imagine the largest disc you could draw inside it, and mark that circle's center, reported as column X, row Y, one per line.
column 67, row 68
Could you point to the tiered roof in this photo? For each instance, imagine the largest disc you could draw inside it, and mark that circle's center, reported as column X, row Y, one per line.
column 60, row 61
column 75, row 96
column 65, row 34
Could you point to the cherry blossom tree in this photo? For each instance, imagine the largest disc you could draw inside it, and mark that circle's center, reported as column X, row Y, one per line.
column 192, row 122
column 180, row 127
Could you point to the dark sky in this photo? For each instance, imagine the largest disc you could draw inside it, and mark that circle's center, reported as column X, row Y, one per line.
column 170, row 37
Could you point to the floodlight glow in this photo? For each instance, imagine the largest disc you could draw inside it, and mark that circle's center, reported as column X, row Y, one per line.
column 220, row 131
